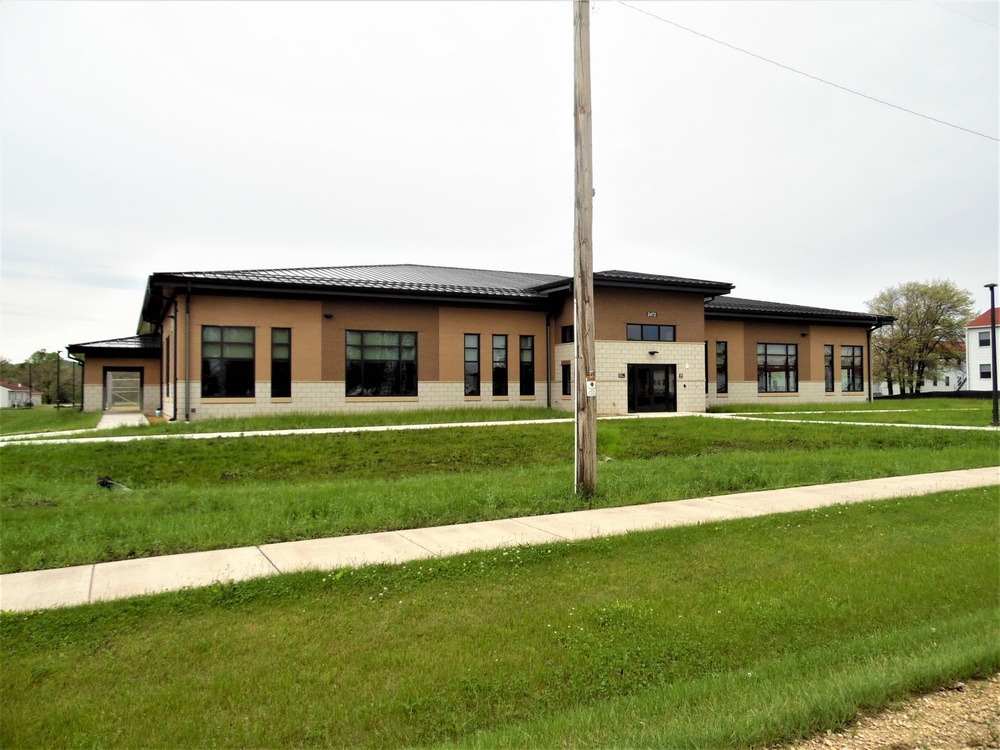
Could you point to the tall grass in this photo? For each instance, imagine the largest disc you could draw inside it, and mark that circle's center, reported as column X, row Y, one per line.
column 731, row 634
column 210, row 494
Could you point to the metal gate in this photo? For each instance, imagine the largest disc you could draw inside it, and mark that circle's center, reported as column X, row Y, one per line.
column 123, row 391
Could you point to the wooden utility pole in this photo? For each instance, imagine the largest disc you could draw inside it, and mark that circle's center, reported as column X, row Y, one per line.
column 583, row 265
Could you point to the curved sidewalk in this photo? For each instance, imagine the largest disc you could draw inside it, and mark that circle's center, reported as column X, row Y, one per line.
column 115, row 580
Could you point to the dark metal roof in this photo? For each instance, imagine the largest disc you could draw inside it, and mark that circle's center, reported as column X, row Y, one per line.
column 123, row 346
column 728, row 307
column 406, row 278
column 633, row 280
column 632, row 276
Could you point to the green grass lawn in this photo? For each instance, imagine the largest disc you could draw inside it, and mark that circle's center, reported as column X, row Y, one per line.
column 190, row 495
column 724, row 635
column 961, row 412
column 45, row 419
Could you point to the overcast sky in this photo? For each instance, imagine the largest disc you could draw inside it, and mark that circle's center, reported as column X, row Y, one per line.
column 142, row 137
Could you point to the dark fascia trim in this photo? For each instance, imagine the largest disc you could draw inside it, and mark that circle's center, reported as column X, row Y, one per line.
column 145, row 352
column 264, row 289
column 858, row 319
column 708, row 290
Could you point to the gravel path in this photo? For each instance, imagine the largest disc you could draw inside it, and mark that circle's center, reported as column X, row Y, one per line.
column 960, row 717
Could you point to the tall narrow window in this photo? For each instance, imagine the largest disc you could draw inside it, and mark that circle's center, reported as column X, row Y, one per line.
column 852, row 376
column 166, row 361
column 499, row 365
column 777, row 368
column 527, row 365
column 381, row 363
column 227, row 362
column 828, row 365
column 721, row 367
column 567, row 379
column 986, row 371
column 567, row 334
column 281, row 363
column 472, row 364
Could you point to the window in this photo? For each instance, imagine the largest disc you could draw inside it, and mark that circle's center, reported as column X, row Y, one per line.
column 852, row 375
column 499, row 365
column 567, row 379
column 985, row 371
column 984, row 338
column 777, row 368
column 947, row 380
column 721, row 367
column 472, row 364
column 527, row 365
column 381, row 363
column 227, row 362
column 637, row 332
column 828, row 367
column 567, row 334
column 281, row 363
column 166, row 359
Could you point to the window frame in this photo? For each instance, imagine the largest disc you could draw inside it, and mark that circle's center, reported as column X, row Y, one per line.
column 852, row 371
column 229, row 377
column 789, row 368
column 362, row 371
column 650, row 332
column 986, row 371
column 722, row 367
column 281, row 366
column 568, row 334
column 984, row 338
column 472, row 367
column 829, row 371
column 501, row 374
column 526, row 367
column 567, row 379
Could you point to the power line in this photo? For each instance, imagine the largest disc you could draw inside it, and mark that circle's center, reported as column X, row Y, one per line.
column 803, row 73
column 972, row 18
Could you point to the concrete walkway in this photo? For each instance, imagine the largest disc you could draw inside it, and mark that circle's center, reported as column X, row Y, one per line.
column 112, row 419
column 114, row 580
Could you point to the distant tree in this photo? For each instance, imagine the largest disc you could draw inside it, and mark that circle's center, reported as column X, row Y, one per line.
column 926, row 337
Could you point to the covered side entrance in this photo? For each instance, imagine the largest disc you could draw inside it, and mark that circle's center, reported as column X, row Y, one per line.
column 652, row 388
column 123, row 390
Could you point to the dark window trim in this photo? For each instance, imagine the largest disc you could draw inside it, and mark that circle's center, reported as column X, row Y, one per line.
column 526, row 375
column 380, row 377
column 473, row 384
column 232, row 377
column 568, row 334
column 852, row 373
column 790, row 367
column 501, row 374
column 650, row 332
column 281, row 366
column 984, row 338
column 722, row 367
column 829, row 373
column 567, row 379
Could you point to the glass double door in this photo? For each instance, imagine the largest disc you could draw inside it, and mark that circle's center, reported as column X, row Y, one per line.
column 652, row 388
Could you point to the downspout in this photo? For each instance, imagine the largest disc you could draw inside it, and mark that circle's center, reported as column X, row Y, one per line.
column 870, row 329
column 187, row 355
column 548, row 360
column 176, row 337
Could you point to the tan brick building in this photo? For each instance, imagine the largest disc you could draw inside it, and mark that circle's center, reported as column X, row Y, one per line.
column 366, row 338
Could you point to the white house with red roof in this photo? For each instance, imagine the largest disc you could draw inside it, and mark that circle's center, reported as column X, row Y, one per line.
column 14, row 395
column 978, row 353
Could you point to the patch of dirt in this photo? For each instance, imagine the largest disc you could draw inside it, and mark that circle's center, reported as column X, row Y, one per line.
column 959, row 717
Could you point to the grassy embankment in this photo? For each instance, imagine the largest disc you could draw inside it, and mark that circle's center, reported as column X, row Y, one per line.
column 726, row 635
column 190, row 495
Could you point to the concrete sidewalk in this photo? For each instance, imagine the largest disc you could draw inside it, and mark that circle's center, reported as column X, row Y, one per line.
column 115, row 580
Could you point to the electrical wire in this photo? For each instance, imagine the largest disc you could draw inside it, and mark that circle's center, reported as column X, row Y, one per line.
column 803, row 73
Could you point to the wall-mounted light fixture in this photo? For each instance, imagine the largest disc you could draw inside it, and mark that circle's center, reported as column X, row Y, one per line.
column 804, row 334
column 653, row 354
column 327, row 315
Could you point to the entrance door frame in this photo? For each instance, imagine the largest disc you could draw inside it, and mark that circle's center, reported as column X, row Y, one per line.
column 638, row 405
column 105, row 388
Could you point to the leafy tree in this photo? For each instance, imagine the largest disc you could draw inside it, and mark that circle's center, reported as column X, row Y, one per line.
column 40, row 370
column 927, row 336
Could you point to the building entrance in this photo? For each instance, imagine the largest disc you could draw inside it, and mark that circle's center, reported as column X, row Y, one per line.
column 652, row 388
column 123, row 390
